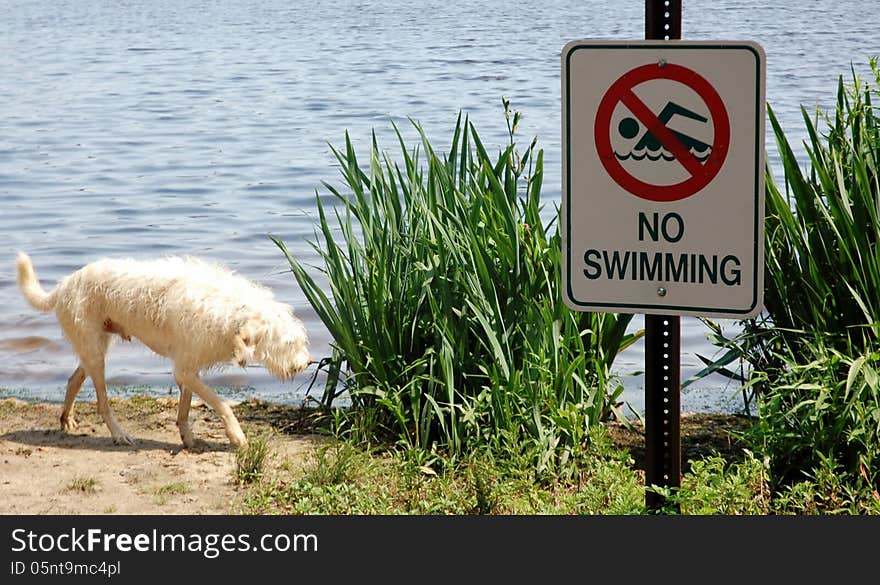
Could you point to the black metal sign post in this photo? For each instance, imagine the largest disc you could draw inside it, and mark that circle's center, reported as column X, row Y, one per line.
column 662, row 335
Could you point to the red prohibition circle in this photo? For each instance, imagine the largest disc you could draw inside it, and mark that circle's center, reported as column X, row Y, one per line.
column 701, row 174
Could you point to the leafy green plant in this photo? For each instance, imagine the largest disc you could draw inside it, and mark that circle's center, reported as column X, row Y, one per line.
column 606, row 481
column 714, row 486
column 813, row 413
column 444, row 303
column 825, row 490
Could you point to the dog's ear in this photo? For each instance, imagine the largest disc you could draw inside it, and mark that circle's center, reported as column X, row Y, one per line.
column 245, row 340
column 242, row 350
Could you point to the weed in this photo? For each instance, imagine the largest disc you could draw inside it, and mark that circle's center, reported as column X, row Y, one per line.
column 166, row 492
column 85, row 485
column 250, row 462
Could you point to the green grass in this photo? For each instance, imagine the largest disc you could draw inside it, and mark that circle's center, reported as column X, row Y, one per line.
column 250, row 462
column 342, row 478
column 85, row 485
column 166, row 492
column 444, row 306
column 174, row 489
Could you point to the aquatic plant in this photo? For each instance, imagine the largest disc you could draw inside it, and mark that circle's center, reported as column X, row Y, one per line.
column 822, row 254
column 444, row 304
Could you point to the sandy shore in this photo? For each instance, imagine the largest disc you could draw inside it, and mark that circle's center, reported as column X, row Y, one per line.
column 44, row 470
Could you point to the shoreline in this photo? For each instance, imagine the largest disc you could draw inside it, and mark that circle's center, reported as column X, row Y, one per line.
column 694, row 399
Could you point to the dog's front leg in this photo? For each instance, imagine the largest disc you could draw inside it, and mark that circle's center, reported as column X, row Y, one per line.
column 194, row 384
column 74, row 383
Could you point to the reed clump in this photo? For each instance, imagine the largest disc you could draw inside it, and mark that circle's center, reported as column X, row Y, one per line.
column 444, row 305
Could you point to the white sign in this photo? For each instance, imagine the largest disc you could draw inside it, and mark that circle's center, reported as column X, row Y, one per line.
column 663, row 177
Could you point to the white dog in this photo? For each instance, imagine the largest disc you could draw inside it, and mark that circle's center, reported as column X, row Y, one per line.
column 198, row 314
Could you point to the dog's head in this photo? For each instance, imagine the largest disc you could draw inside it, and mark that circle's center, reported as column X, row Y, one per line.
column 277, row 340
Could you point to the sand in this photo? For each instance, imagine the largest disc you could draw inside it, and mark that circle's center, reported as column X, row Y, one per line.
column 44, row 470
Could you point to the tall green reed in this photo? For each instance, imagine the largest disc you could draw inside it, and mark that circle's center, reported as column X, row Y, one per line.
column 444, row 303
column 822, row 254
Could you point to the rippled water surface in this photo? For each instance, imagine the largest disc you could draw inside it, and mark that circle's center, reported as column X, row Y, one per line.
column 189, row 127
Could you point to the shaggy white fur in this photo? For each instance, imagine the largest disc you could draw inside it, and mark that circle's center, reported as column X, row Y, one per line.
column 198, row 314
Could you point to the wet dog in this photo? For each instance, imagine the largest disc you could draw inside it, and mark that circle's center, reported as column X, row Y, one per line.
column 198, row 314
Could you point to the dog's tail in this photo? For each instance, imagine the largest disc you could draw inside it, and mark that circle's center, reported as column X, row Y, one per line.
column 30, row 286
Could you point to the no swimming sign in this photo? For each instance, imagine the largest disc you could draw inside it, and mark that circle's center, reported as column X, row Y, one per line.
column 663, row 195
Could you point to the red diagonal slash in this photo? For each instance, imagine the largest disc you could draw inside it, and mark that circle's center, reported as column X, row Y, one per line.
column 657, row 128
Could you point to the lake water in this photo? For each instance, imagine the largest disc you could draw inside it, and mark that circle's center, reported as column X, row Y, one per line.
column 191, row 127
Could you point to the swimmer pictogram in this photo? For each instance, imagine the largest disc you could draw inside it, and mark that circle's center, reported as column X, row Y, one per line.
column 652, row 138
column 649, row 146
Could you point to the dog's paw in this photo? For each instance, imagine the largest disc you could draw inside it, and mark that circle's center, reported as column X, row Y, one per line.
column 187, row 439
column 69, row 424
column 237, row 439
column 123, row 438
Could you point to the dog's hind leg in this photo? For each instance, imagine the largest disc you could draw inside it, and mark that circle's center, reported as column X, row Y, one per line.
column 74, row 383
column 95, row 371
column 91, row 344
column 194, row 384
column 183, row 414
